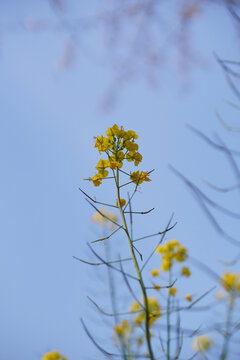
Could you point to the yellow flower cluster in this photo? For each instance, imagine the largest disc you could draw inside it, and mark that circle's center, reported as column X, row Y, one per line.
column 154, row 311
column 201, row 343
column 231, row 282
column 171, row 251
column 53, row 355
column 103, row 221
column 119, row 145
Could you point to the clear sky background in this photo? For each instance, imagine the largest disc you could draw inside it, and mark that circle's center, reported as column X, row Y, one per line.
column 49, row 115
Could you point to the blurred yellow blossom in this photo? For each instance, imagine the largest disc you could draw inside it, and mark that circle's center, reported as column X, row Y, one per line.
column 186, row 271
column 172, row 291
column 231, row 282
column 123, row 329
column 154, row 311
column 220, row 295
column 53, row 355
column 188, row 297
column 201, row 343
column 170, row 252
column 155, row 272
column 104, row 221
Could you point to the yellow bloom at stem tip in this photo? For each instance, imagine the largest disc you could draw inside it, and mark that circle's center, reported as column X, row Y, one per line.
column 118, row 145
column 53, row 355
column 231, row 282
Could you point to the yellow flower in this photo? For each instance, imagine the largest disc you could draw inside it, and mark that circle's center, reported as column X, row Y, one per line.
column 157, row 287
column 123, row 329
column 114, row 164
column 219, row 295
column 186, row 271
column 171, row 251
column 113, row 131
column 135, row 306
column 230, row 281
column 102, row 144
column 155, row 272
column 96, row 179
column 104, row 221
column 154, row 311
column 172, row 291
column 138, row 178
column 53, row 355
column 134, row 156
column 201, row 343
column 131, row 146
column 130, row 134
column 122, row 202
column 188, row 297
column 101, row 166
column 166, row 265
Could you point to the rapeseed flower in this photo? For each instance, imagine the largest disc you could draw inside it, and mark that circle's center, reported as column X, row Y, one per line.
column 186, row 271
column 123, row 329
column 188, row 297
column 154, row 311
column 231, row 282
column 118, row 145
column 122, row 202
column 172, row 291
column 170, row 252
column 155, row 272
column 201, row 343
column 53, row 355
column 105, row 220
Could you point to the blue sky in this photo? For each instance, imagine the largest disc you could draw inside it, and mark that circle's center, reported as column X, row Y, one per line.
column 48, row 120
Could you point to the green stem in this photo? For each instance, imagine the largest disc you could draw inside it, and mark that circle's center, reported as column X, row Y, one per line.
column 138, row 272
column 227, row 331
column 168, row 319
column 113, row 298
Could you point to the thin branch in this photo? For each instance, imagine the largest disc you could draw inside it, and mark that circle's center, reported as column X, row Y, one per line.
column 158, row 233
column 160, row 241
column 210, row 142
column 101, row 263
column 205, row 208
column 106, row 263
column 105, row 216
